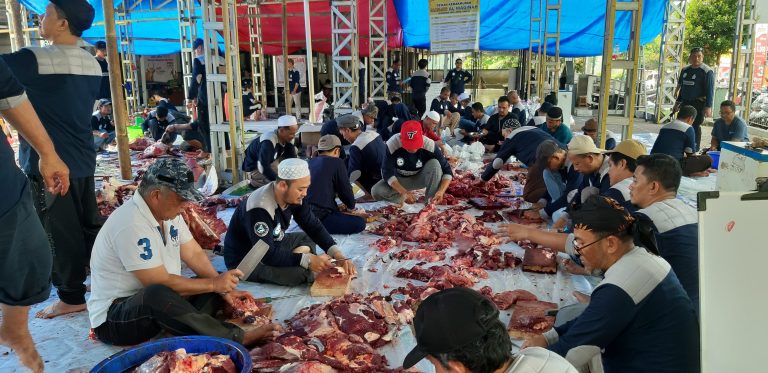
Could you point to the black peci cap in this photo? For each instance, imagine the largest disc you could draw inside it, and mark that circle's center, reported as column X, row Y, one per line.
column 79, row 13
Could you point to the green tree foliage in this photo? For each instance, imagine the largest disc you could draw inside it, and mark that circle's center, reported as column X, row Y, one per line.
column 651, row 53
column 710, row 24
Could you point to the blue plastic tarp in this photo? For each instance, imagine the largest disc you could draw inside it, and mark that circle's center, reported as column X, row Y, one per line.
column 168, row 30
column 505, row 25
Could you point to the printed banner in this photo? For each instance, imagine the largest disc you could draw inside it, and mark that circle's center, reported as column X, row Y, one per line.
column 161, row 69
column 454, row 25
column 759, row 79
column 299, row 63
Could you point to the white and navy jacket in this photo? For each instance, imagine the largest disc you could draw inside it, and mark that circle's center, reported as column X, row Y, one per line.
column 367, row 156
column 639, row 316
column 260, row 218
column 263, row 151
column 522, row 144
column 675, row 138
column 402, row 163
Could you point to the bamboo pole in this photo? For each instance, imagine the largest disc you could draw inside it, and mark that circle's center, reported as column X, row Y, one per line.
column 120, row 110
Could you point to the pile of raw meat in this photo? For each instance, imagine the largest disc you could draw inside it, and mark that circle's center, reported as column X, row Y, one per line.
column 248, row 310
column 180, row 361
column 339, row 335
column 466, row 185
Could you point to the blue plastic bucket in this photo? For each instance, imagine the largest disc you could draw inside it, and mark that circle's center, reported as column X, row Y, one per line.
column 125, row 361
column 715, row 155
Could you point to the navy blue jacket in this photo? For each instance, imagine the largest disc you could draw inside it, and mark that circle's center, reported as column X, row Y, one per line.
column 263, row 151
column 440, row 106
column 521, row 144
column 494, row 126
column 260, row 218
column 697, row 84
column 420, row 83
column 197, row 90
column 677, row 236
column 295, row 80
column 367, row 156
column 639, row 316
column 12, row 187
column 457, row 79
column 675, row 138
column 329, row 179
column 400, row 162
column 572, row 181
column 393, row 81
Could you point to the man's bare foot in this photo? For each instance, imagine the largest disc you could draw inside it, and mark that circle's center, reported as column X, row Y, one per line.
column 59, row 308
column 574, row 268
column 261, row 334
column 581, row 297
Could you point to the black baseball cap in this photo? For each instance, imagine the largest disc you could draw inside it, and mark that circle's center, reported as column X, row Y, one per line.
column 449, row 320
column 78, row 13
column 101, row 44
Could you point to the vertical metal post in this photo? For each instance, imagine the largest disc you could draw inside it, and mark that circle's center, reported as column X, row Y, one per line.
column 310, row 67
column 119, row 105
column 533, row 61
column 15, row 24
column 742, row 62
column 234, row 84
column 344, row 55
column 128, row 64
column 551, row 65
column 377, row 50
column 284, row 46
column 670, row 58
column 257, row 54
column 187, row 31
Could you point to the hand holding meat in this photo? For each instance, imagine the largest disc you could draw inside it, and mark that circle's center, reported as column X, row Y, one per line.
column 319, row 263
column 515, row 232
column 231, row 296
column 227, row 281
column 409, row 197
column 345, row 263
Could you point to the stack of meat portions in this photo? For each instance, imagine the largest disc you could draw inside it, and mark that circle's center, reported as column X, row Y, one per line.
column 338, row 335
column 444, row 274
column 485, row 257
column 247, row 310
column 180, row 361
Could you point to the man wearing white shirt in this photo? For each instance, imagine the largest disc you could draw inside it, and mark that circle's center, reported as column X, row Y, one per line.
column 137, row 289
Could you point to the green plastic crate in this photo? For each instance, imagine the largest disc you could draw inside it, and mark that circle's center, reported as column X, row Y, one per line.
column 134, row 132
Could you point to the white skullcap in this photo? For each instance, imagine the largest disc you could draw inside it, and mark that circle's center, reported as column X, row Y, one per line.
column 463, row 96
column 431, row 115
column 286, row 121
column 293, row 169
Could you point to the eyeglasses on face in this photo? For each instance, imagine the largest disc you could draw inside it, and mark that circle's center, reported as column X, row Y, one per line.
column 579, row 247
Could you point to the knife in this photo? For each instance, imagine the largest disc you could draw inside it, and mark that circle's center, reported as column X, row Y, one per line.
column 252, row 259
column 272, row 299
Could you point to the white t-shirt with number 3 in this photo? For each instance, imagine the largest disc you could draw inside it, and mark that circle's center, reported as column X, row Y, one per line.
column 130, row 240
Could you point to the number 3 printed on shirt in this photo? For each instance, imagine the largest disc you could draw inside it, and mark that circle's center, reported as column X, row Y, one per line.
column 147, row 254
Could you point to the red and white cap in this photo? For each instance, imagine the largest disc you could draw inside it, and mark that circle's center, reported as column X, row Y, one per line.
column 411, row 135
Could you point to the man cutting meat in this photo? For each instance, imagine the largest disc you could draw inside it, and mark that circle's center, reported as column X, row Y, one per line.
column 639, row 317
column 137, row 287
column 366, row 155
column 520, row 142
column 413, row 162
column 480, row 344
column 264, row 154
column 290, row 259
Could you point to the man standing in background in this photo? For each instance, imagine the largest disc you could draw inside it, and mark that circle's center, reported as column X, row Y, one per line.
column 696, row 87
column 197, row 95
column 294, row 86
column 458, row 77
column 63, row 71
column 101, row 58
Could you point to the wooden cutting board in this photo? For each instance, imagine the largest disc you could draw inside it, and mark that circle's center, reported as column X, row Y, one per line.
column 327, row 286
column 266, row 311
column 528, row 313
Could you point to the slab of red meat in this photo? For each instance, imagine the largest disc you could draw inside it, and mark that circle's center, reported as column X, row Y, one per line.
column 517, row 216
column 248, row 310
column 539, row 259
column 529, row 318
column 154, row 150
column 140, row 144
column 489, row 203
column 507, row 299
column 456, row 277
column 180, row 361
column 485, row 257
column 429, row 256
column 490, row 217
column 205, row 226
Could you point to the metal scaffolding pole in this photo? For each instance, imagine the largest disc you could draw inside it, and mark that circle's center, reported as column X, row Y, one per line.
column 344, row 55
column 377, row 50
column 187, row 30
column 742, row 62
column 670, row 58
column 15, row 24
column 533, row 57
column 550, row 71
column 630, row 65
column 256, row 43
column 222, row 72
column 127, row 58
column 310, row 64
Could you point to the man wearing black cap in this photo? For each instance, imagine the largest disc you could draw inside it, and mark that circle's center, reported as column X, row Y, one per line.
column 366, row 155
column 520, row 142
column 541, row 115
column 71, row 75
column 101, row 58
column 102, row 125
column 137, row 287
column 197, row 94
column 555, row 126
column 480, row 343
column 330, row 180
column 639, row 318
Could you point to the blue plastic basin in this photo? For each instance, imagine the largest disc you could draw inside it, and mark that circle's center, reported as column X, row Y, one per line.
column 125, row 360
column 715, row 155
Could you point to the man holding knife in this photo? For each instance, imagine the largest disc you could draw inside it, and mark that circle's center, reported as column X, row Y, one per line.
column 257, row 232
column 136, row 282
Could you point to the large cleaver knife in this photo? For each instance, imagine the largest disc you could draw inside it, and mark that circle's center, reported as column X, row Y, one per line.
column 252, row 259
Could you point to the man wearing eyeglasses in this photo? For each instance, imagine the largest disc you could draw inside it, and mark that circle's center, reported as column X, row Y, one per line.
column 639, row 317
column 137, row 287
column 696, row 87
